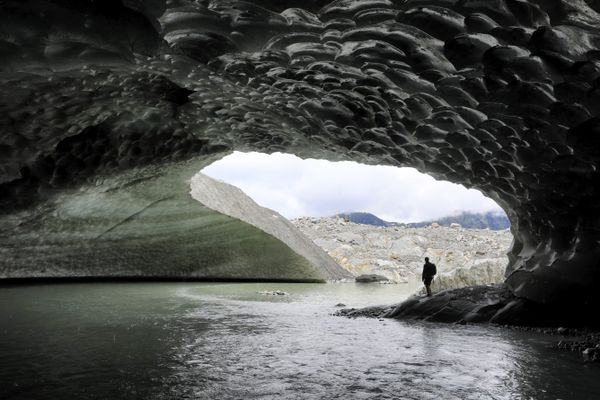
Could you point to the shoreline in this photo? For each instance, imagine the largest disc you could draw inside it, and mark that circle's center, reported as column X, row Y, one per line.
column 495, row 305
column 490, row 305
column 584, row 341
column 27, row 281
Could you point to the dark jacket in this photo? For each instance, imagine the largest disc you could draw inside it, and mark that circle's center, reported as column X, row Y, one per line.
column 429, row 270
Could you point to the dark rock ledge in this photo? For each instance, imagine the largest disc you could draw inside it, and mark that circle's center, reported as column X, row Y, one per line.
column 495, row 304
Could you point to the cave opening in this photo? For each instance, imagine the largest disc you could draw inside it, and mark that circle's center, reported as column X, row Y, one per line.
column 110, row 108
column 377, row 222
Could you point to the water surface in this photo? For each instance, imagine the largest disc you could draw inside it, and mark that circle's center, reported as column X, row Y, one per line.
column 227, row 341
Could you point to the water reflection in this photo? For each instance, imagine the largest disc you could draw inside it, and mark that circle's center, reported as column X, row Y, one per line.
column 429, row 340
column 201, row 341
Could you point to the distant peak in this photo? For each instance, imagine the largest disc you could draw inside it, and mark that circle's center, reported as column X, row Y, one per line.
column 363, row 218
column 494, row 220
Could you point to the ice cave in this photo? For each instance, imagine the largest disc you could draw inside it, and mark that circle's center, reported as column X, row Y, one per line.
column 109, row 108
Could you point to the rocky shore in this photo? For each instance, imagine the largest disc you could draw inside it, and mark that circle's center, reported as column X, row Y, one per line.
column 493, row 304
column 484, row 303
column 588, row 345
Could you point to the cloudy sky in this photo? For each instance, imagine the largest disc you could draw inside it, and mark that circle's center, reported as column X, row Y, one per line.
column 296, row 187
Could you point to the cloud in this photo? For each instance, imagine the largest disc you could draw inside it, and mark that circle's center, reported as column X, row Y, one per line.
column 296, row 187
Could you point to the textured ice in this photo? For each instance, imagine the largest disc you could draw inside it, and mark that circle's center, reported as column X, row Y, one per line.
column 501, row 95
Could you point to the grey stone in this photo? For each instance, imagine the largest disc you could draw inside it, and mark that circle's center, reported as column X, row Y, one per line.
column 370, row 278
column 465, row 257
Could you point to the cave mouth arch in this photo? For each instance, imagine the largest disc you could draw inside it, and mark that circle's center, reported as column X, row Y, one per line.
column 504, row 99
column 319, row 197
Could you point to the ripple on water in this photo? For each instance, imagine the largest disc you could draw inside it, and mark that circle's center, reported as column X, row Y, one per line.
column 209, row 341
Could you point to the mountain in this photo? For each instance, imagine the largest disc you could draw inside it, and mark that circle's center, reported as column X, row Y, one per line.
column 364, row 218
column 491, row 220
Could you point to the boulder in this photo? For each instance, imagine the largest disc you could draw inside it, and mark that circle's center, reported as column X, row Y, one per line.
column 370, row 278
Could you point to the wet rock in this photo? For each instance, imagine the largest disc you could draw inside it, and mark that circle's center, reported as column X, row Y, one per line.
column 591, row 354
column 368, row 312
column 494, row 304
column 562, row 330
column 273, row 293
column 370, row 278
column 585, row 343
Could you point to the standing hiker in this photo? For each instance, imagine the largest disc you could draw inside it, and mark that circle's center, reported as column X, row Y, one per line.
column 429, row 271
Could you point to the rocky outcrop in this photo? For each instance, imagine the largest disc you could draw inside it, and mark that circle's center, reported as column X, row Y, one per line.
column 463, row 256
column 490, row 304
column 502, row 96
column 473, row 304
column 477, row 304
column 478, row 272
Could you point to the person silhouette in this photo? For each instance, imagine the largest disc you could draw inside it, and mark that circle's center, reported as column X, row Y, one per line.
column 429, row 271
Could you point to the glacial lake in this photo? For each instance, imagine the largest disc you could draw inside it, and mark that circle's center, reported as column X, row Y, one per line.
column 228, row 341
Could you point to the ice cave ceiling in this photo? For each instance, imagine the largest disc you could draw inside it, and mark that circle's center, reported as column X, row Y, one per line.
column 499, row 95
